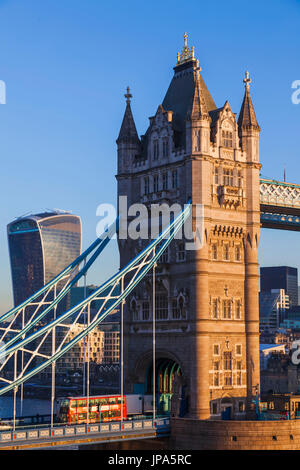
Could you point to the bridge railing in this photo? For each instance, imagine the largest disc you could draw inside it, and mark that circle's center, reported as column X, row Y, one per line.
column 160, row 425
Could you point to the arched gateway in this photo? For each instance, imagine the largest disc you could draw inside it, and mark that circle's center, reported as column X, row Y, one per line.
column 206, row 300
column 169, row 379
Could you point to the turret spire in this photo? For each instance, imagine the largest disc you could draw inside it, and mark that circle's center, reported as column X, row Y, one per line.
column 198, row 107
column 128, row 131
column 247, row 117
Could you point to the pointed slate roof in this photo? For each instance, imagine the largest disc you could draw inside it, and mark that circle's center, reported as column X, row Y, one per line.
column 184, row 86
column 198, row 107
column 128, row 132
column 247, row 117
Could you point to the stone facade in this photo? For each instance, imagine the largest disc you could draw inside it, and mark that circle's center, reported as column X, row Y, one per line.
column 234, row 435
column 207, row 299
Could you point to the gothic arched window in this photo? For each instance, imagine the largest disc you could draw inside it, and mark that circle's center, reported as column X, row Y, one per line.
column 165, row 147
column 227, row 139
column 161, row 301
column 155, row 149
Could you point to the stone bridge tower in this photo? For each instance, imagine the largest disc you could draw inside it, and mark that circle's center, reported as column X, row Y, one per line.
column 207, row 319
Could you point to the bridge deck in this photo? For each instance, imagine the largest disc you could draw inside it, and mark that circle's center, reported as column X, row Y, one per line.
column 31, row 438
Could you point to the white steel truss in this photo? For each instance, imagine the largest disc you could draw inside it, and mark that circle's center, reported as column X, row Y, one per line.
column 279, row 194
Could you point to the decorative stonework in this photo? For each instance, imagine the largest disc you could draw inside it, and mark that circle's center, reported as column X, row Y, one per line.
column 230, row 196
column 186, row 54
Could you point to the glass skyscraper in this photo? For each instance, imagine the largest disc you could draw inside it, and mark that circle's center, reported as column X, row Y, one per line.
column 280, row 277
column 40, row 246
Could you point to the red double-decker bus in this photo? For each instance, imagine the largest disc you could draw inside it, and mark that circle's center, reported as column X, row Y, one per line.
column 73, row 410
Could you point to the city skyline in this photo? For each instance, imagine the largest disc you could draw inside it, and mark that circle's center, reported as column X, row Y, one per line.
column 70, row 152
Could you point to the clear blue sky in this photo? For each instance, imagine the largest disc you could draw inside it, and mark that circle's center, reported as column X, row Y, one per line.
column 66, row 64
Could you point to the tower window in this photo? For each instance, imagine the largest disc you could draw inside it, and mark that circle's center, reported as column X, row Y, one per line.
column 216, row 349
column 227, row 177
column 227, row 308
column 228, row 379
column 165, row 147
column 146, row 185
column 214, row 250
column 135, row 313
column 238, row 309
column 161, row 307
column 239, row 179
column 215, row 308
column 227, row 138
column 155, row 183
column 181, row 251
column 164, row 258
column 227, row 361
column 155, row 149
column 216, row 381
column 165, row 181
column 226, row 252
column 237, row 252
column 216, row 174
column 175, row 310
column 146, row 310
column 197, row 146
column 174, row 179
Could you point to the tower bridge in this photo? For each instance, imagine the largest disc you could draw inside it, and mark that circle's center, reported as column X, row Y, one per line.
column 189, row 318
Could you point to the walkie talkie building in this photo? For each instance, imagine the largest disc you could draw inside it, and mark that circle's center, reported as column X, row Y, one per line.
column 40, row 246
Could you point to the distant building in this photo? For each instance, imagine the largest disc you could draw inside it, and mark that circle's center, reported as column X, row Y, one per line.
column 280, row 277
column 40, row 246
column 272, row 308
column 74, row 359
column 278, row 336
column 111, row 354
column 292, row 319
column 279, row 374
column 265, row 351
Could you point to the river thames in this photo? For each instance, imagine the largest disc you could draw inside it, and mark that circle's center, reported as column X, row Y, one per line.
column 31, row 406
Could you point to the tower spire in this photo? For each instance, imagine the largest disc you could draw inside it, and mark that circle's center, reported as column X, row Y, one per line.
column 198, row 108
column 247, row 117
column 128, row 131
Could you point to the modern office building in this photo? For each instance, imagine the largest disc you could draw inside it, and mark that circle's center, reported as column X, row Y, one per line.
column 272, row 308
column 280, row 277
column 40, row 247
column 74, row 359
